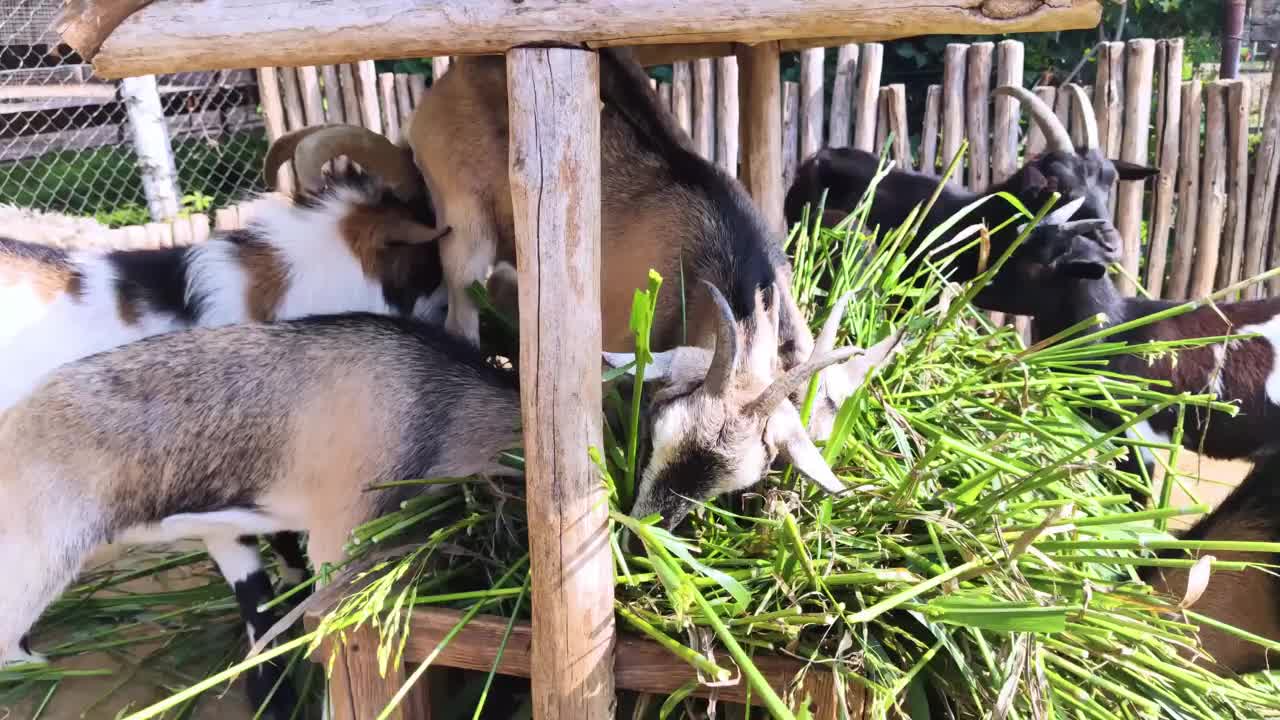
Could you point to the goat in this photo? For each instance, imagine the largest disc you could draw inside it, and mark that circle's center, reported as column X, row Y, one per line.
column 221, row 432
column 365, row 244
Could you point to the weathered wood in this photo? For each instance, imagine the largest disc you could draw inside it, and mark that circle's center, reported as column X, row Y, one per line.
column 199, row 227
column 843, row 86
column 387, row 100
column 727, row 114
column 160, row 234
column 1262, row 205
column 811, row 100
column 790, row 131
column 895, row 105
column 309, row 88
column 1231, row 268
column 1008, row 112
column 1168, row 137
column 183, row 235
column 978, row 114
column 439, row 66
column 1109, row 102
column 953, row 111
column 929, row 131
column 1036, row 141
column 868, row 109
column 357, row 688
column 1213, row 192
column 151, row 145
column 760, row 95
column 554, row 96
column 1184, row 234
column 334, row 108
column 704, row 108
column 664, row 95
column 294, row 116
column 404, row 101
column 181, row 35
column 1065, row 108
column 417, row 88
column 350, row 93
column 86, row 24
column 882, row 121
column 682, row 95
column 1139, row 66
column 367, row 87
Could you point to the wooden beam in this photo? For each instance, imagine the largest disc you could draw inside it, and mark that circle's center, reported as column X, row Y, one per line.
column 85, row 24
column 554, row 101
column 727, row 115
column 198, row 35
column 760, row 93
column 1139, row 69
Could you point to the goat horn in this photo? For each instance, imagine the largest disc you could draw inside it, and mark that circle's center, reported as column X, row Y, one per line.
column 826, row 341
column 282, row 150
column 374, row 152
column 781, row 389
column 1054, row 132
column 725, row 360
column 1085, row 107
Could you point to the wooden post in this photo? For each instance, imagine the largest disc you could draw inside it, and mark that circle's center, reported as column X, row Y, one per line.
column 1064, row 108
column 727, row 114
column 387, row 100
column 417, row 88
column 1036, row 141
column 1184, row 233
column 359, row 691
column 334, row 109
column 953, row 107
column 1108, row 102
column 404, row 100
column 439, row 66
column 895, row 106
column 704, row 107
column 864, row 134
column 1008, row 112
column 929, row 132
column 1265, row 175
column 141, row 100
column 350, row 93
column 554, row 99
column 978, row 114
column 1233, row 235
column 295, row 117
column 760, row 93
column 1213, row 192
column 1168, row 124
column 682, row 95
column 1137, row 128
column 790, row 131
column 843, row 86
column 367, row 80
column 309, row 88
column 811, row 100
column 664, row 95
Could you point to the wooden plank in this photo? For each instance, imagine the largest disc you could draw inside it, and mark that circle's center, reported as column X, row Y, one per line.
column 978, row 114
column 1262, row 205
column 1036, row 141
column 387, row 101
column 350, row 93
column 183, row 236
column 1109, row 102
column 439, row 66
column 1139, row 66
column 953, row 110
column 1184, row 233
column 868, row 109
column 1213, row 192
column 682, row 95
column 1008, row 112
column 1168, row 137
column 812, row 100
column 895, row 112
column 357, row 688
column 790, row 131
column 760, row 95
column 1064, row 108
column 664, row 95
column 1231, row 269
column 554, row 98
column 843, row 86
column 417, row 88
column 178, row 35
column 199, row 227
column 404, row 101
column 290, row 92
column 159, row 234
column 704, row 108
column 882, row 122
column 929, row 133
column 367, row 87
column 334, row 109
column 29, row 146
column 727, row 114
column 312, row 101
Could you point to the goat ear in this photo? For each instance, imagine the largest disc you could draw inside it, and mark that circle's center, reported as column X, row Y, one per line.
column 1134, row 171
column 1083, row 258
column 659, row 369
column 795, row 446
column 403, row 233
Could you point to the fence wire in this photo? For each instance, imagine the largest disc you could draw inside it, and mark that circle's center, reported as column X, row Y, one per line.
column 65, row 138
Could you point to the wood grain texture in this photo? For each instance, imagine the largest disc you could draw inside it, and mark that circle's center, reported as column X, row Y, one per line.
column 727, row 127
column 953, row 110
column 704, row 108
column 334, row 107
column 1231, row 267
column 554, row 98
column 404, row 100
column 309, row 88
column 1184, row 234
column 439, row 66
column 843, row 86
column 682, row 95
column 359, row 691
column 978, row 114
column 812, row 100
column 1036, row 141
column 1065, row 108
column 895, row 115
column 86, row 24
column 1168, row 144
column 417, row 88
column 291, row 93
column 350, row 93
column 273, row 112
column 387, row 101
column 1213, row 192
column 868, row 106
column 1008, row 112
column 180, row 35
column 1139, row 66
column 1108, row 102
column 1258, row 245
column 760, row 96
column 790, row 131
column 929, row 131
column 367, row 87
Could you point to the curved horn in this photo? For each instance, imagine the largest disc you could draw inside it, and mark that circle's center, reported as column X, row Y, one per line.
column 1055, row 133
column 725, row 360
column 282, row 150
column 1085, row 107
column 781, row 389
column 375, row 153
column 826, row 341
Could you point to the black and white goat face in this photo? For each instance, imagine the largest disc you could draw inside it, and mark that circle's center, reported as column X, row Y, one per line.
column 716, row 424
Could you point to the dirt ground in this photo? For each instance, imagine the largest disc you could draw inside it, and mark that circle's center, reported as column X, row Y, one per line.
column 1215, row 480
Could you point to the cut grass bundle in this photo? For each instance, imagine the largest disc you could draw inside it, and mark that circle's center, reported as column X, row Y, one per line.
column 983, row 562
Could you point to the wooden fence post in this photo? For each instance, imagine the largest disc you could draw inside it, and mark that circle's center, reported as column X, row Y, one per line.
column 843, row 87
column 439, row 66
column 760, row 92
column 1008, row 112
column 1184, row 233
column 727, row 114
column 1231, row 269
column 864, row 133
column 359, row 691
column 273, row 114
column 895, row 119
column 141, row 98
column 811, row 100
column 790, row 131
column 334, row 108
column 1139, row 67
column 1263, row 203
column 554, row 101
column 309, row 88
column 1064, row 108
column 387, row 101
column 1036, row 141
column 977, row 108
column 929, row 131
column 682, row 95
column 1213, row 192
column 1108, row 102
column 367, row 79
column 350, row 93
column 953, row 88
column 295, row 117
column 704, row 107
column 1168, row 136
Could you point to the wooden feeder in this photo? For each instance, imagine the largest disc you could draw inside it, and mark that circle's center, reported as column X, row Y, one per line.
column 570, row 650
